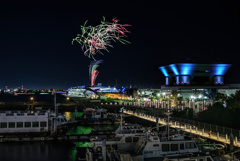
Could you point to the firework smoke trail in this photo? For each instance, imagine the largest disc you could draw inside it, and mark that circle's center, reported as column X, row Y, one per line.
column 92, row 70
column 94, row 76
column 93, row 39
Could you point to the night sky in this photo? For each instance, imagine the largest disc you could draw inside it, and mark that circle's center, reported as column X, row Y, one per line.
column 36, row 49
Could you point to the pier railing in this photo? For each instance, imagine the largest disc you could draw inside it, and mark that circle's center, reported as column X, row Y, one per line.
column 217, row 133
column 200, row 126
column 188, row 125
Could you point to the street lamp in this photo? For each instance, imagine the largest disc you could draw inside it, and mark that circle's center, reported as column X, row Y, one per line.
column 32, row 100
column 192, row 98
column 163, row 95
column 200, row 97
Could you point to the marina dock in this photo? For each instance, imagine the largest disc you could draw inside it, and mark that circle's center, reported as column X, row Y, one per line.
column 103, row 135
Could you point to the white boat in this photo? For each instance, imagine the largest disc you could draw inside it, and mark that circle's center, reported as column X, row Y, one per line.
column 21, row 122
column 150, row 147
column 134, row 129
column 96, row 116
column 94, row 113
column 189, row 157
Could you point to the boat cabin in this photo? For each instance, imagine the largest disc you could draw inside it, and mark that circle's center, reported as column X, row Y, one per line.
column 12, row 122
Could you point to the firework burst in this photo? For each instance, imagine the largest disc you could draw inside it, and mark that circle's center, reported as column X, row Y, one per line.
column 95, row 39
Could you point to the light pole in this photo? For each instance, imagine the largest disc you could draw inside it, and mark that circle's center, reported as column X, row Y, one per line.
column 193, row 98
column 32, row 100
column 163, row 95
column 200, row 97
column 56, row 104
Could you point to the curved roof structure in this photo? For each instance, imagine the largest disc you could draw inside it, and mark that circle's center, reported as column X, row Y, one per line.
column 192, row 70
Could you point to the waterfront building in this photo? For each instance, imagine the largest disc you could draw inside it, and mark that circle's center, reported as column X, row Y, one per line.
column 197, row 81
column 90, row 91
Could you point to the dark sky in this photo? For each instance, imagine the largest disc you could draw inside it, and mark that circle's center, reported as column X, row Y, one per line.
column 36, row 49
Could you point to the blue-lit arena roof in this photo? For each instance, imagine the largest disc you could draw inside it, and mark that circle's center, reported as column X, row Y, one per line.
column 192, row 70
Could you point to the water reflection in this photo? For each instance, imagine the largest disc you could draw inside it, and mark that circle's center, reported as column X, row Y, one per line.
column 35, row 151
column 80, row 130
column 40, row 151
column 70, row 116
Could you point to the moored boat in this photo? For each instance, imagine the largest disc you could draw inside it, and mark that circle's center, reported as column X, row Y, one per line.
column 21, row 122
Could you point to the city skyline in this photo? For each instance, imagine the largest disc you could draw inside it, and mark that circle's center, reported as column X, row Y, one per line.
column 36, row 49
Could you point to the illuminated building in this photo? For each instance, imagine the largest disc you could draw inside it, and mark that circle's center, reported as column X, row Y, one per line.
column 84, row 91
column 194, row 79
column 104, row 89
column 194, row 74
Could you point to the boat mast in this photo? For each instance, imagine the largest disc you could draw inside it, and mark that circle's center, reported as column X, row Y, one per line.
column 55, row 121
column 55, row 103
column 76, row 111
column 121, row 110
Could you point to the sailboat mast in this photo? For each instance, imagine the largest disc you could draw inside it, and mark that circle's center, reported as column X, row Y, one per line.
column 55, row 103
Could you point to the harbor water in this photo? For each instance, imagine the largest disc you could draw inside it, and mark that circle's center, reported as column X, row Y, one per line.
column 48, row 150
column 37, row 151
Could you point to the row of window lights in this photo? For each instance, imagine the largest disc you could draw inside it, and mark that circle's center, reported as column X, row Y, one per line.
column 167, row 147
column 20, row 124
column 174, row 147
column 188, row 83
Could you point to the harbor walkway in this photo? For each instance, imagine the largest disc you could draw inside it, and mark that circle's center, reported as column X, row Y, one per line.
column 187, row 128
